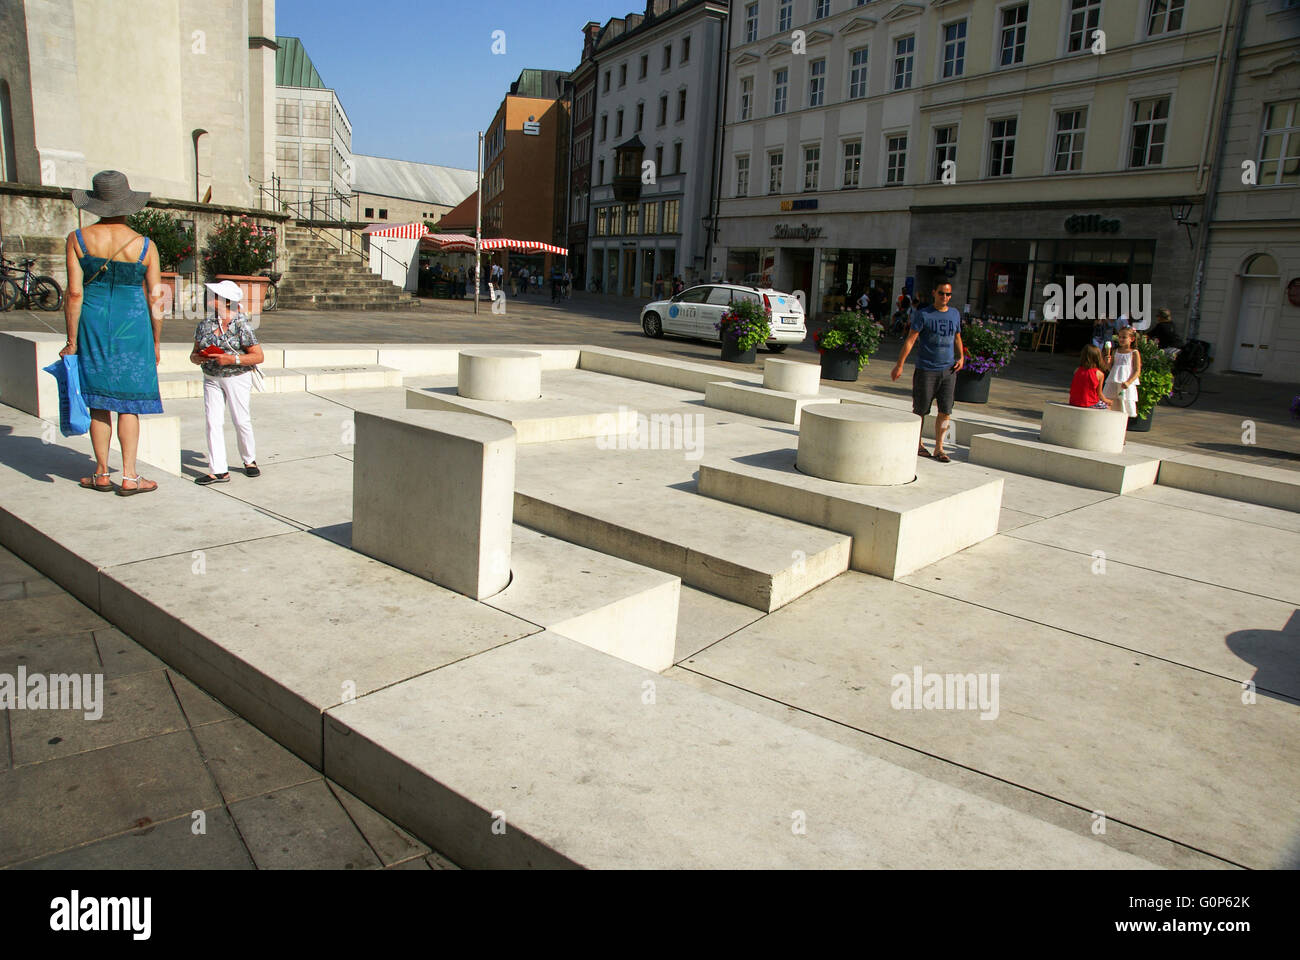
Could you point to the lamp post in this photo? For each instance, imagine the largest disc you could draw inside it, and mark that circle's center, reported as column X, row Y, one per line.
column 478, row 222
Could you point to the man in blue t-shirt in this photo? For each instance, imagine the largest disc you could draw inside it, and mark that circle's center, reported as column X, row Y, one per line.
column 941, row 355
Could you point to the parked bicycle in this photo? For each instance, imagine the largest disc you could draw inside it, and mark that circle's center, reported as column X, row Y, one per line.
column 1191, row 360
column 269, row 297
column 20, row 288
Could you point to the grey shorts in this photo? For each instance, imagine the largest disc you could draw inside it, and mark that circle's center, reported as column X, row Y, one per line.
column 931, row 385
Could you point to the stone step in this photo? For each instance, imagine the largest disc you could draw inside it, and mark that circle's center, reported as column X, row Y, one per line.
column 358, row 305
column 361, row 376
column 189, row 386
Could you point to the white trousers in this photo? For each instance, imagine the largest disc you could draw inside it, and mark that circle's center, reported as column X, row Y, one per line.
column 218, row 393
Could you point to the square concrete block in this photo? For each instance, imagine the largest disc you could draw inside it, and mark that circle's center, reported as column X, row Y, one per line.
column 895, row 529
column 299, row 355
column 670, row 373
column 1233, row 480
column 24, row 384
column 759, row 401
column 550, row 419
column 432, row 494
column 620, row 608
column 1112, row 472
column 349, row 377
column 160, row 442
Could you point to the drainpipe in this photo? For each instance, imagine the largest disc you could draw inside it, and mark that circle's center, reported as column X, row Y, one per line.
column 719, row 139
column 1201, row 254
column 195, row 137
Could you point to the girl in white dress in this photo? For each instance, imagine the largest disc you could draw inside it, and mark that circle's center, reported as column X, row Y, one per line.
column 1124, row 367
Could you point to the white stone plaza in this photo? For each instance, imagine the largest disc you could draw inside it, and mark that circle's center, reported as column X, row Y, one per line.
column 651, row 612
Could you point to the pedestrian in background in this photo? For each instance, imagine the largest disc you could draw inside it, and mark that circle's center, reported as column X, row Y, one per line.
column 227, row 379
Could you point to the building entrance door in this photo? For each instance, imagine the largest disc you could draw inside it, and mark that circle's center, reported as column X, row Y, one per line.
column 1258, row 307
column 627, row 286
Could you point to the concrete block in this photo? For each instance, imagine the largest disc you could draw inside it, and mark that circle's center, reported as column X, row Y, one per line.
column 353, row 377
column 331, row 355
column 895, row 529
column 442, row 359
column 1233, row 480
column 761, row 402
column 620, row 608
column 1080, row 428
column 1111, row 472
column 189, row 385
column 669, row 373
column 859, row 443
column 791, row 376
column 500, row 375
column 966, row 424
column 24, row 384
column 160, row 442
column 548, row 420
column 432, row 494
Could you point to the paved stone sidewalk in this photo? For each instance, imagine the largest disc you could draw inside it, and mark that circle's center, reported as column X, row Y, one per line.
column 121, row 792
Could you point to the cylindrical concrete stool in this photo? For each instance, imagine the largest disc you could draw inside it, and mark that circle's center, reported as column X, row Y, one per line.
column 1083, row 428
column 490, row 374
column 857, row 443
column 791, row 376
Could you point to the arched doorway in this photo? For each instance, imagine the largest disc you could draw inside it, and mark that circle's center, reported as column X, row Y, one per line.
column 1255, row 314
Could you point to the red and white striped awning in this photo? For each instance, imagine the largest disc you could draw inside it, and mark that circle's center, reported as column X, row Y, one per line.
column 403, row 231
column 451, row 241
column 524, row 246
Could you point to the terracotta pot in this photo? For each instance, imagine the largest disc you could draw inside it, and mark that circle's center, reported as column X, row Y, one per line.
column 254, row 289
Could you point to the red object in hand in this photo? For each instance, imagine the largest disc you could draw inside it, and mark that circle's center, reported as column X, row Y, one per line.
column 211, row 351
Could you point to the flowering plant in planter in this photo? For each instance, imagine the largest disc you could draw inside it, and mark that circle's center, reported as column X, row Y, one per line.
column 238, row 247
column 747, row 324
column 989, row 348
column 1156, row 381
column 852, row 332
column 163, row 231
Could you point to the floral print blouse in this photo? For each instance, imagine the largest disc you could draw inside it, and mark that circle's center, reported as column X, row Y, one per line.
column 238, row 337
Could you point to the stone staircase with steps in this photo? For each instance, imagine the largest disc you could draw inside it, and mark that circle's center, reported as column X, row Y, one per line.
column 321, row 277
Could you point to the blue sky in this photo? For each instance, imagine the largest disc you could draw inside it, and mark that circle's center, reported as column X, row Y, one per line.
column 418, row 79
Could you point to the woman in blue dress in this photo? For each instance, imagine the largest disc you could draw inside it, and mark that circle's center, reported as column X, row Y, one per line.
column 113, row 312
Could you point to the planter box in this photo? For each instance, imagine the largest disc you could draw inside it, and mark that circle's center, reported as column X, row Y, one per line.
column 733, row 355
column 839, row 365
column 973, row 387
column 1141, row 424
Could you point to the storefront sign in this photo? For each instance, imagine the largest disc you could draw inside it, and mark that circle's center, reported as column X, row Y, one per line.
column 1090, row 223
column 785, row 231
column 810, row 204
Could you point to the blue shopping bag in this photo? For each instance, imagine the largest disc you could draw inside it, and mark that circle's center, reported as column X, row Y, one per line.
column 74, row 415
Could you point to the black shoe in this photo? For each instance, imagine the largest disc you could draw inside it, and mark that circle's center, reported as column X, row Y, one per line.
column 208, row 478
column 250, row 470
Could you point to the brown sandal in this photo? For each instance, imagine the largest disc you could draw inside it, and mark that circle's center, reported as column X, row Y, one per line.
column 137, row 480
column 105, row 488
column 922, row 452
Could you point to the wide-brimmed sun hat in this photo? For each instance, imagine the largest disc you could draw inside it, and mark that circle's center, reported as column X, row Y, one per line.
column 110, row 196
column 227, row 290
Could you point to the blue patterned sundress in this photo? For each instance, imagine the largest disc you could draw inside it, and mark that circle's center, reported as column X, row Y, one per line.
column 115, row 336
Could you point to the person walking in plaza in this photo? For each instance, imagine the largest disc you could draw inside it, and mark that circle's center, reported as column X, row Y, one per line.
column 1085, row 387
column 1163, row 332
column 1123, row 367
column 941, row 356
column 227, row 379
column 113, row 327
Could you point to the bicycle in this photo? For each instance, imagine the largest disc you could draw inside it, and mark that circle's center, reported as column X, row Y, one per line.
column 1191, row 360
column 44, row 293
column 269, row 296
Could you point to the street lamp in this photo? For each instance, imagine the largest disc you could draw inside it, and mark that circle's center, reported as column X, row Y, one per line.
column 1181, row 212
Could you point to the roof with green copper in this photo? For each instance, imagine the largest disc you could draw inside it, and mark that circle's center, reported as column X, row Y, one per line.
column 293, row 68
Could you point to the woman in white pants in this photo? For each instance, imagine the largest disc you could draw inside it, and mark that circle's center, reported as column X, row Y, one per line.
column 227, row 380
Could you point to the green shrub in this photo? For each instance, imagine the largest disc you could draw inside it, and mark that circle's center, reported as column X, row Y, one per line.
column 747, row 323
column 164, row 232
column 854, row 332
column 238, row 247
column 1157, row 378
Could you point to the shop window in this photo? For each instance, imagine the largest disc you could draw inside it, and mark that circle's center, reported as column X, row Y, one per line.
column 954, row 49
column 652, row 217
column 1015, row 24
column 1164, row 16
column 904, row 52
column 601, row 222
column 1279, row 147
column 1085, row 17
column 1069, row 140
column 1147, row 137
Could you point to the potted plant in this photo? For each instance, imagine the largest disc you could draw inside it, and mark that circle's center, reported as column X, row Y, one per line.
column 236, row 250
column 989, row 349
column 846, row 345
column 743, row 329
column 1155, row 382
column 174, row 243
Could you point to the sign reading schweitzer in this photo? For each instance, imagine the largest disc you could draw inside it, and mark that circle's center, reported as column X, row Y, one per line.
column 785, row 231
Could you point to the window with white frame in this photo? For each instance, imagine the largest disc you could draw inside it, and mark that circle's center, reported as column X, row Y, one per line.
column 775, row 171
column 954, row 49
column 742, row 176
column 1279, row 146
column 1002, row 147
column 668, row 56
column 896, row 158
column 652, row 217
column 858, row 74
column 945, row 148
column 746, row 97
column 601, row 224
column 663, row 110
column 1085, row 17
column 904, row 52
column 784, row 16
column 780, row 83
column 670, row 215
column 822, row 9
column 1164, row 16
column 812, row 167
column 852, row 163
column 681, row 105
column 1147, row 137
column 751, row 23
column 816, row 83
column 1015, row 24
column 1069, row 140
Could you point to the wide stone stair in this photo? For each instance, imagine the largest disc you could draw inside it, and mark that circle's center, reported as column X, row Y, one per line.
column 321, row 277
